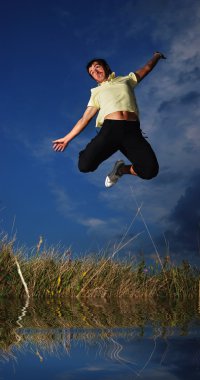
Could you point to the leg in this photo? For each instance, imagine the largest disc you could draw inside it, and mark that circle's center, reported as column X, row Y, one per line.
column 98, row 150
column 139, row 152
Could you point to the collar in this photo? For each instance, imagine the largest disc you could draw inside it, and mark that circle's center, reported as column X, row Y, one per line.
column 110, row 78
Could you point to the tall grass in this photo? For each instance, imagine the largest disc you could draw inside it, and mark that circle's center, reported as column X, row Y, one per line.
column 49, row 274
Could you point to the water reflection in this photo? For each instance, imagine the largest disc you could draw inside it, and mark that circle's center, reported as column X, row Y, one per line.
column 99, row 339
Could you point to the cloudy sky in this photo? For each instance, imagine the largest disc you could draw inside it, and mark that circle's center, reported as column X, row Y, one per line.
column 45, row 88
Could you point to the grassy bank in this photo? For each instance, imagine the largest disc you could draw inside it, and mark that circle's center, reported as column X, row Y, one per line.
column 47, row 274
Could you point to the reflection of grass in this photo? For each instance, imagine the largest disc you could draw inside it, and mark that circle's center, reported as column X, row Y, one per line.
column 49, row 275
column 50, row 322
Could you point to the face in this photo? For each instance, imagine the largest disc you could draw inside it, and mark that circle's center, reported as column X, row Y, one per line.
column 97, row 72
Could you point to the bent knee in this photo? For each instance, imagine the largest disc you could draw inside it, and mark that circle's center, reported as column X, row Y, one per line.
column 148, row 172
column 85, row 167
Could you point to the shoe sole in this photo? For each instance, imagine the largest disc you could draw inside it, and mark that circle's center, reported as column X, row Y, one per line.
column 108, row 183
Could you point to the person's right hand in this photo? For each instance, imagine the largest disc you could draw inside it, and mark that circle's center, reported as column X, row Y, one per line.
column 162, row 56
column 60, row 144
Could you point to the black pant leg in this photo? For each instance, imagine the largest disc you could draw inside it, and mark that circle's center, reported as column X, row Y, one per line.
column 140, row 153
column 100, row 148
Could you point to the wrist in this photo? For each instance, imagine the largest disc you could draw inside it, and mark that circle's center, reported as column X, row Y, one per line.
column 66, row 139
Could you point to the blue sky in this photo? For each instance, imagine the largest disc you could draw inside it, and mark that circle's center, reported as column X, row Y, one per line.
column 45, row 88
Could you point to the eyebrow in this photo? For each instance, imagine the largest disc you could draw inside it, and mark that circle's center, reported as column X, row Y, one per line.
column 96, row 64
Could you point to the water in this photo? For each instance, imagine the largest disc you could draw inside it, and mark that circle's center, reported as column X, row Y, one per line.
column 68, row 340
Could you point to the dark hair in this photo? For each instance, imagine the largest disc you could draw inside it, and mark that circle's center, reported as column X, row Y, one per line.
column 102, row 62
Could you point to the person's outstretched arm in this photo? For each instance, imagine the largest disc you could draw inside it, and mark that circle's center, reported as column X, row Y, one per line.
column 60, row 144
column 144, row 71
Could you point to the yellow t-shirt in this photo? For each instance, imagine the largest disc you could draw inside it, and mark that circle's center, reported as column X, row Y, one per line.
column 116, row 94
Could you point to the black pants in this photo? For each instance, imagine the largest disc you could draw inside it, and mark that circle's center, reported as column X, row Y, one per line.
column 125, row 136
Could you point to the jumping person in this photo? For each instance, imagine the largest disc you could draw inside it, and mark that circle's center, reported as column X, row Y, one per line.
column 118, row 123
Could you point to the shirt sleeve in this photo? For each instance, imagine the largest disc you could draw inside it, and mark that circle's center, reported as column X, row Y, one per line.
column 133, row 79
column 93, row 102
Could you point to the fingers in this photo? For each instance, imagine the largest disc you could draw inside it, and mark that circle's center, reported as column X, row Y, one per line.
column 58, row 146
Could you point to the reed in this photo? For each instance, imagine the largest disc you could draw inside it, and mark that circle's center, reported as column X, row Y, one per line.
column 49, row 274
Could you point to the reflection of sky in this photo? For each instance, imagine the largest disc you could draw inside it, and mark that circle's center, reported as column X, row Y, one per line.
column 117, row 357
column 44, row 91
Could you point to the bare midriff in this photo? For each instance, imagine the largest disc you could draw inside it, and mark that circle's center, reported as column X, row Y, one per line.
column 122, row 115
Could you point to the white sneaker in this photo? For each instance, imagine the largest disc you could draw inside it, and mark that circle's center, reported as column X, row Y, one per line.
column 113, row 176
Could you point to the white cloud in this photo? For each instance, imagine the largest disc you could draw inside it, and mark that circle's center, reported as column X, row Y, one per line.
column 41, row 150
column 38, row 149
column 65, row 205
column 71, row 210
column 92, row 222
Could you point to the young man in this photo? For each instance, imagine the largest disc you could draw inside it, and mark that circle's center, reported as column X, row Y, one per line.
column 118, row 122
